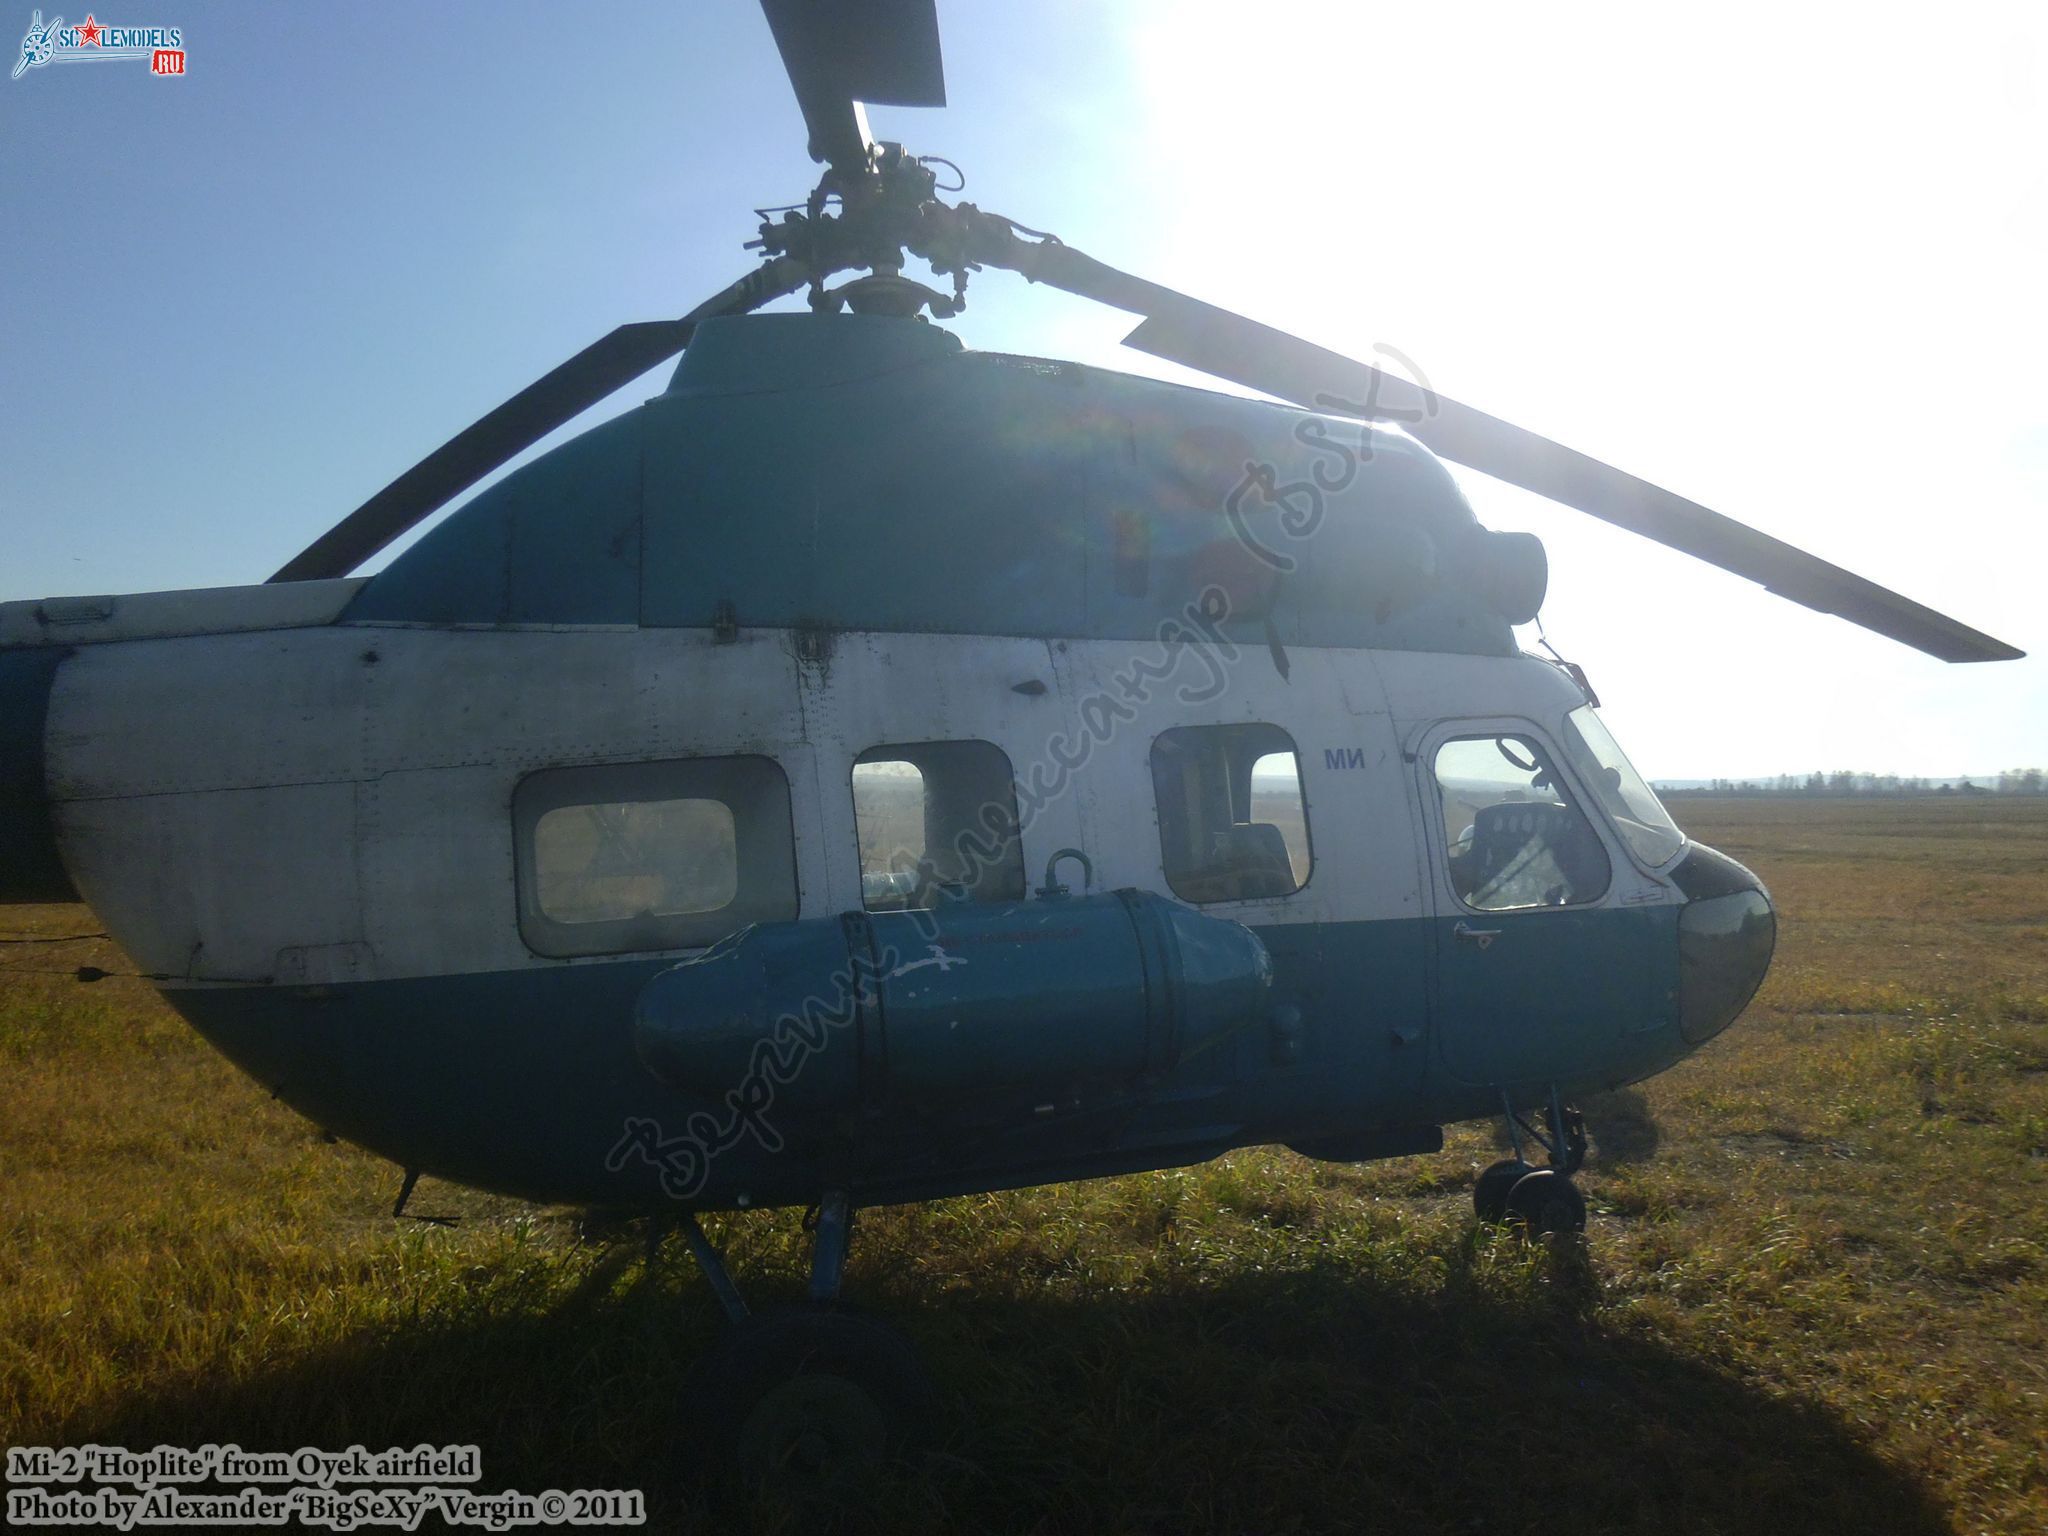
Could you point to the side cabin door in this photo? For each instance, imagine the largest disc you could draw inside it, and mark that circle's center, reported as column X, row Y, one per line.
column 1542, row 946
column 1279, row 801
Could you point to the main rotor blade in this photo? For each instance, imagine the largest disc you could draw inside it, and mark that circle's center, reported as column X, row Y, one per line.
column 1259, row 357
column 1229, row 346
column 839, row 53
column 519, row 423
column 473, row 453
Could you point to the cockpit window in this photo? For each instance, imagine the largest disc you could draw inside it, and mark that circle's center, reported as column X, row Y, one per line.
column 1515, row 838
column 1630, row 804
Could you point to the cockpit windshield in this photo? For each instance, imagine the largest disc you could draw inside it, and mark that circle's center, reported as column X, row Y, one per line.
column 1630, row 804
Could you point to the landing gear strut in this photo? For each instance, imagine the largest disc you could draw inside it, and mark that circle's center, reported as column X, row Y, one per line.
column 803, row 1399
column 1540, row 1200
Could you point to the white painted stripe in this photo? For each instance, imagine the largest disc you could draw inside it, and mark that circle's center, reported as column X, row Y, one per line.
column 336, row 801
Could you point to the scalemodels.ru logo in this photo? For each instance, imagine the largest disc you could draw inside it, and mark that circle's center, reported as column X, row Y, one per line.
column 93, row 42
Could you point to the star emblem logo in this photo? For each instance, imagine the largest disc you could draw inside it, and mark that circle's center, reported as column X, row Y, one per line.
column 89, row 33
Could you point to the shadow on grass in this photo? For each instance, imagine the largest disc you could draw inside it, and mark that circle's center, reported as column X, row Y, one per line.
column 1308, row 1400
column 1621, row 1127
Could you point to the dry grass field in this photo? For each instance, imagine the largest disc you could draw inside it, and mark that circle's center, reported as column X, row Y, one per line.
column 1814, row 1295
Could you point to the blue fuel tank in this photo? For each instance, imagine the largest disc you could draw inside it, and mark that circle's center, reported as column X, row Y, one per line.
column 1028, row 998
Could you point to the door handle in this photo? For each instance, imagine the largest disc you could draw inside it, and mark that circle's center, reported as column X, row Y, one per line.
column 1465, row 933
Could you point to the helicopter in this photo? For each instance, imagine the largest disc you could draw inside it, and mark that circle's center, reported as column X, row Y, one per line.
column 873, row 771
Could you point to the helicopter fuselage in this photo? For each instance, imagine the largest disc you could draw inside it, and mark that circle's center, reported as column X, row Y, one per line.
column 415, row 864
column 312, row 833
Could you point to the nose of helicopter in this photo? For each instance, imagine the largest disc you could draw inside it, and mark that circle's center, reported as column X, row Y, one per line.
column 1726, row 933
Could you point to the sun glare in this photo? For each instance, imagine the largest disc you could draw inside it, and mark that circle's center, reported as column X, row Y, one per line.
column 1786, row 269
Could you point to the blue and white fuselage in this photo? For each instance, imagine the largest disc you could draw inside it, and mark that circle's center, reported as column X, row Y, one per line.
column 412, row 849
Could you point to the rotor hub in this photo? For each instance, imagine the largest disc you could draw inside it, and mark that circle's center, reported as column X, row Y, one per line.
column 887, row 292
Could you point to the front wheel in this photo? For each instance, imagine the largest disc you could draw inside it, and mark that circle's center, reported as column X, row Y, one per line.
column 1544, row 1201
column 1490, row 1193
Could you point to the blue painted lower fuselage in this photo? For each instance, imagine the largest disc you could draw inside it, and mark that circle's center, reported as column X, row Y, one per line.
column 528, row 1082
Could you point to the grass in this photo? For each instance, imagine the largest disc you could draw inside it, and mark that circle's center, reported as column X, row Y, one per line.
column 1814, row 1294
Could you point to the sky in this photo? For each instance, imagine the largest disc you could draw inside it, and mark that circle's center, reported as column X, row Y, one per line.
column 1787, row 265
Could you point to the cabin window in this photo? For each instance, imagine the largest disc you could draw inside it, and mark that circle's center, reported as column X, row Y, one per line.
column 615, row 858
column 1515, row 839
column 1233, row 825
column 936, row 821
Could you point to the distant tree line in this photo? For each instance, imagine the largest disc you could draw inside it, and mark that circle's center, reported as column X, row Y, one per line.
column 2014, row 781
